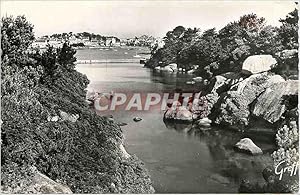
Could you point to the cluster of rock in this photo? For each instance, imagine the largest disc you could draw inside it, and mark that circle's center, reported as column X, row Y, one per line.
column 92, row 95
column 193, row 111
column 255, row 93
column 235, row 97
column 232, row 99
column 173, row 67
column 168, row 68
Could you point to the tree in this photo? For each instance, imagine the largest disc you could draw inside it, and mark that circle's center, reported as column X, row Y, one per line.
column 288, row 31
column 175, row 41
column 66, row 56
column 17, row 36
column 49, row 59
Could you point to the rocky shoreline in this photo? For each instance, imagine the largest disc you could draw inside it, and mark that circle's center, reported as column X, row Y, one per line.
column 255, row 96
column 235, row 98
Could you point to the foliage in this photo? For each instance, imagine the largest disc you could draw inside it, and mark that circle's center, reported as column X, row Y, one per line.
column 226, row 50
column 16, row 36
column 287, row 138
column 66, row 56
column 77, row 45
column 175, row 41
column 287, row 40
column 288, row 31
column 84, row 154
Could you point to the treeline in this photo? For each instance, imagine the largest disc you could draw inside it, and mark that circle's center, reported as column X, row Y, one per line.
column 36, row 87
column 90, row 36
column 225, row 50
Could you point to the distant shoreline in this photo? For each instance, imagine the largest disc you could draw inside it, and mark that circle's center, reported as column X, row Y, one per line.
column 107, row 61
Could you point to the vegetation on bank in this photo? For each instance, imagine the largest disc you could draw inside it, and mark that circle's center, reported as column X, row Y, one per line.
column 36, row 87
column 222, row 51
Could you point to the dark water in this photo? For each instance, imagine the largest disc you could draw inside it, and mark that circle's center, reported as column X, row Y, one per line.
column 180, row 157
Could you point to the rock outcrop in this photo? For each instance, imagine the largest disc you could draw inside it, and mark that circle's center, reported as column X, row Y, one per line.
column 259, row 63
column 204, row 122
column 270, row 104
column 38, row 183
column 180, row 113
column 220, row 84
column 45, row 185
column 213, row 93
column 194, row 110
column 170, row 68
column 234, row 106
column 124, row 153
column 247, row 145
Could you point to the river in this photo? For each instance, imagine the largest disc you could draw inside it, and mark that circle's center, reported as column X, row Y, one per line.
column 179, row 157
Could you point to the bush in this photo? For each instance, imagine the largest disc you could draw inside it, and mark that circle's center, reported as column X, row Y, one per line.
column 84, row 154
column 229, row 47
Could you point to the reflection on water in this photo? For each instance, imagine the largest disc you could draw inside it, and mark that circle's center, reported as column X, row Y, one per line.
column 228, row 162
column 181, row 158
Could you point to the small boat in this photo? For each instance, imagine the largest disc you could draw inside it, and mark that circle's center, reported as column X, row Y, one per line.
column 125, row 52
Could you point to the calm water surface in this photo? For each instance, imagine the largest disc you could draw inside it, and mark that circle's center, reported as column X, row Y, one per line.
column 180, row 158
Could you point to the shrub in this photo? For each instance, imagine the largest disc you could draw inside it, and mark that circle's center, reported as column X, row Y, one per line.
column 84, row 154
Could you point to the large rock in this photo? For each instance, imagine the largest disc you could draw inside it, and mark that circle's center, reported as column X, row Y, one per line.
column 91, row 95
column 45, row 185
column 216, row 83
column 124, row 153
column 178, row 112
column 269, row 104
column 212, row 97
column 199, row 107
column 220, row 84
column 170, row 68
column 234, row 106
column 259, row 63
column 247, row 145
column 223, row 82
column 204, row 122
column 38, row 183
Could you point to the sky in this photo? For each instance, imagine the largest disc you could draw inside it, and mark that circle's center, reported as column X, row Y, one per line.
column 127, row 19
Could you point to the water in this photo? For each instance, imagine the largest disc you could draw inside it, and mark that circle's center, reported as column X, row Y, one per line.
column 180, row 158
